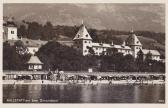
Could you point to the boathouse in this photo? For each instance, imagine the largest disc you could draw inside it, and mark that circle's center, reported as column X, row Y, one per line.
column 34, row 63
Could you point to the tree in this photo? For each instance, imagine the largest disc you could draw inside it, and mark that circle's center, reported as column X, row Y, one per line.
column 111, row 51
column 22, row 32
column 34, row 30
column 12, row 60
column 20, row 47
column 128, row 64
column 48, row 32
column 140, row 60
column 55, row 56
column 149, row 56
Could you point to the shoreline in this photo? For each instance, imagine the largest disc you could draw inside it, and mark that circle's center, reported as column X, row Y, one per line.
column 81, row 82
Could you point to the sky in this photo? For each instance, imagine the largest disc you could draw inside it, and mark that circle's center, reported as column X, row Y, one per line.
column 148, row 17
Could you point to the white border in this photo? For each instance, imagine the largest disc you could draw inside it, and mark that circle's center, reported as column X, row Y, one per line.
column 84, row 1
column 132, row 105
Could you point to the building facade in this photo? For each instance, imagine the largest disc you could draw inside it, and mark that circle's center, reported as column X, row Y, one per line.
column 83, row 40
column 132, row 45
column 152, row 54
column 34, row 63
column 9, row 30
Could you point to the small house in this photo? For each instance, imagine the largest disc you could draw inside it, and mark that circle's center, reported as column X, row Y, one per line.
column 34, row 63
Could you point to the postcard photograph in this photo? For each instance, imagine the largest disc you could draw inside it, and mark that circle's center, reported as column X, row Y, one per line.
column 83, row 53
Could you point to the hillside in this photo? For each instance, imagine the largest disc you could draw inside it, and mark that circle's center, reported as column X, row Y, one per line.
column 65, row 35
column 120, row 16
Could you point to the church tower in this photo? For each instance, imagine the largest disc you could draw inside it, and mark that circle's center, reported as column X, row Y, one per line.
column 133, row 42
column 82, row 40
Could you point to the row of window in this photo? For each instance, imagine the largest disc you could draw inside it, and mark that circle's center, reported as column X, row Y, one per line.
column 155, row 56
column 87, row 41
column 138, row 48
column 12, row 32
column 104, row 49
column 85, row 35
column 77, row 42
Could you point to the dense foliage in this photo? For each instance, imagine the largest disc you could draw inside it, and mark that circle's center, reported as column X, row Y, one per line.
column 12, row 58
column 56, row 56
column 36, row 31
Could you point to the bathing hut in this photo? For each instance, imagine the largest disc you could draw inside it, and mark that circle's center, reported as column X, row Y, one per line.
column 34, row 63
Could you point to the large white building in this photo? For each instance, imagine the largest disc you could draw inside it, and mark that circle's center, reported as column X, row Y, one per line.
column 132, row 45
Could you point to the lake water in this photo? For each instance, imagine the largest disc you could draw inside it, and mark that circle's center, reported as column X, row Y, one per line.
column 84, row 93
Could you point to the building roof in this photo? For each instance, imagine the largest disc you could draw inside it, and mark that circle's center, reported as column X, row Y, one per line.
column 104, row 45
column 153, row 52
column 34, row 60
column 133, row 39
column 33, row 43
column 101, row 45
column 29, row 42
column 82, row 33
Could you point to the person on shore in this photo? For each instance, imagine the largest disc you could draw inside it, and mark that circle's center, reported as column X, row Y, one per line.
column 14, row 83
column 110, row 82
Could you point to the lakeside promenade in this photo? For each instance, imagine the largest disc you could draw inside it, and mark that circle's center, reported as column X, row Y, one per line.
column 82, row 77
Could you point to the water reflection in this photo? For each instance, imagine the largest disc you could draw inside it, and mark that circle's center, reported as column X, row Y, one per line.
column 87, row 93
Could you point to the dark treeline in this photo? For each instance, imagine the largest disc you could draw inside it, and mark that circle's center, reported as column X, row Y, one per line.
column 34, row 30
column 118, row 62
column 56, row 56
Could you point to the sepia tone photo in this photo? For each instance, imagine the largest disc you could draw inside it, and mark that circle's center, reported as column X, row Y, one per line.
column 83, row 53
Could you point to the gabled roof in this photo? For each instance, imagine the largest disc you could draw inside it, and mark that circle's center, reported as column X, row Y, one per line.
column 153, row 52
column 34, row 60
column 133, row 39
column 82, row 33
